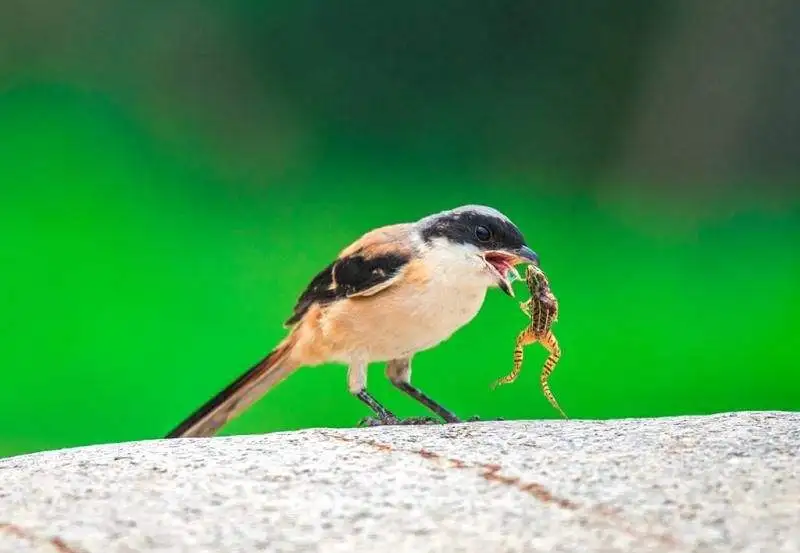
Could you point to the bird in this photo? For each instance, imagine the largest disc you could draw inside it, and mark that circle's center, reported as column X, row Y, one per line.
column 397, row 290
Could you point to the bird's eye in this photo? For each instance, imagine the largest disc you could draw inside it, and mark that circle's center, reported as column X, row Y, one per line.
column 482, row 233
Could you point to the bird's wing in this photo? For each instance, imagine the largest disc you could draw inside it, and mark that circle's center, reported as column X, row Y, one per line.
column 366, row 267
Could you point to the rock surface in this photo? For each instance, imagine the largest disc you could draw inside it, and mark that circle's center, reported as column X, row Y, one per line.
column 728, row 482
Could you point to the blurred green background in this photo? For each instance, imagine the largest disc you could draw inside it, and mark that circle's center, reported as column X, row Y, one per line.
column 172, row 174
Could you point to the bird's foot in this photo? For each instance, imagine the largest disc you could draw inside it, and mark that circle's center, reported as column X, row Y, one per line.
column 420, row 421
column 476, row 418
column 378, row 421
column 394, row 421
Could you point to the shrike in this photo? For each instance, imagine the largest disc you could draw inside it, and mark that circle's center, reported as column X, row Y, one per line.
column 397, row 290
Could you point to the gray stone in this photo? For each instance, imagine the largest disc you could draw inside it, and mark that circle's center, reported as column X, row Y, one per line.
column 727, row 482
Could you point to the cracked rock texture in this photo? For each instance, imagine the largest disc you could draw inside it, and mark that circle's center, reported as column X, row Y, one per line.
column 728, row 482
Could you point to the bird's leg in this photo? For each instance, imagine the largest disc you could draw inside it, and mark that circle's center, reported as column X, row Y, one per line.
column 399, row 373
column 551, row 344
column 420, row 396
column 384, row 416
column 525, row 338
column 357, row 383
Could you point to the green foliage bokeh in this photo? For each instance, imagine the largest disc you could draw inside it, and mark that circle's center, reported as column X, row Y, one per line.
column 136, row 284
column 173, row 174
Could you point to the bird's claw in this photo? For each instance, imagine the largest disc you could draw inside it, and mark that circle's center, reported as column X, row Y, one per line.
column 420, row 421
column 476, row 418
column 375, row 421
column 394, row 421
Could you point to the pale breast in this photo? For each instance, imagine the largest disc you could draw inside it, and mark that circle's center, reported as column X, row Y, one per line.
column 444, row 310
column 410, row 316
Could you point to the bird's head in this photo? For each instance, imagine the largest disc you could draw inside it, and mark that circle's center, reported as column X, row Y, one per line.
column 483, row 242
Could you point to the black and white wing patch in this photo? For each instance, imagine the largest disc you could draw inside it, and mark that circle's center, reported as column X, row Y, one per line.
column 351, row 276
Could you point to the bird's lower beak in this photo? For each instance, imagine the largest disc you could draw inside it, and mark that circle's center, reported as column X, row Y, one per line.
column 502, row 262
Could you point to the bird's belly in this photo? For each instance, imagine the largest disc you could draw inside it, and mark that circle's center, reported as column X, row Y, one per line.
column 389, row 327
column 430, row 325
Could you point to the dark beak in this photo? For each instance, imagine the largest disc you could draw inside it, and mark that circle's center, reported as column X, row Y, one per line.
column 503, row 261
column 505, row 286
column 525, row 254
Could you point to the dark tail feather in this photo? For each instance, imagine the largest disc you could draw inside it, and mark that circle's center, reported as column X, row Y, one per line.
column 238, row 395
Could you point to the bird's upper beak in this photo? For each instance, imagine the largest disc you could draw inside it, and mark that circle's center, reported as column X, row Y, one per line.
column 502, row 263
column 527, row 255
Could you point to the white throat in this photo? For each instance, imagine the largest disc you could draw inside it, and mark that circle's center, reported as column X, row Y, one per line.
column 457, row 265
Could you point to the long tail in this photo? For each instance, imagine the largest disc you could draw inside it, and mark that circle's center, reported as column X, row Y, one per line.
column 549, row 341
column 238, row 395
